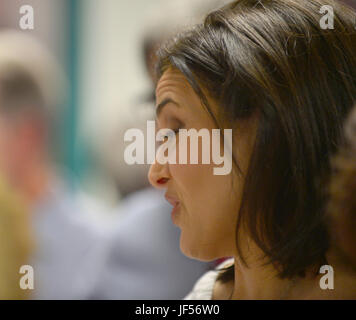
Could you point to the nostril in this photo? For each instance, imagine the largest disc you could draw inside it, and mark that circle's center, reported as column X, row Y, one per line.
column 162, row 180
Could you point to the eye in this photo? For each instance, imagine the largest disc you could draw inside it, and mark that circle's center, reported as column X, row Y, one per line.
column 175, row 132
column 167, row 134
column 170, row 133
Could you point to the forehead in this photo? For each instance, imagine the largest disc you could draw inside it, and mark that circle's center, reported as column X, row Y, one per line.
column 173, row 81
column 174, row 85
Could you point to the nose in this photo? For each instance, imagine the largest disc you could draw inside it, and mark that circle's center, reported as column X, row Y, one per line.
column 158, row 175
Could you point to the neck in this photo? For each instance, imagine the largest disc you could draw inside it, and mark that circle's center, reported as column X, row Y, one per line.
column 258, row 282
column 261, row 281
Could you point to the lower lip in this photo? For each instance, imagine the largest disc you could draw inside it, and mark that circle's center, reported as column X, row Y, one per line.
column 175, row 212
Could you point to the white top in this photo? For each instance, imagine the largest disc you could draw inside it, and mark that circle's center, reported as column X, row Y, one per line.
column 203, row 288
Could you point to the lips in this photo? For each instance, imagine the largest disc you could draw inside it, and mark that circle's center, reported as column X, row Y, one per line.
column 172, row 200
column 176, row 207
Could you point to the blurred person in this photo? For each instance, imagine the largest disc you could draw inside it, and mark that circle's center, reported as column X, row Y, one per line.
column 16, row 242
column 69, row 249
column 342, row 204
column 266, row 70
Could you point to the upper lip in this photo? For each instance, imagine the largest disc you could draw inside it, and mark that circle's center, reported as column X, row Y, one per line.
column 171, row 199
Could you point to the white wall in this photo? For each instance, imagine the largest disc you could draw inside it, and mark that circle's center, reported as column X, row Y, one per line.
column 112, row 73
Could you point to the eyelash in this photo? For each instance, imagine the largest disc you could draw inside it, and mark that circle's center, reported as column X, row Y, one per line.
column 167, row 135
column 175, row 132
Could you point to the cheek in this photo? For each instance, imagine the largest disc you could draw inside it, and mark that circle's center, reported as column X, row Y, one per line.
column 209, row 208
column 199, row 188
column 191, row 182
column 12, row 156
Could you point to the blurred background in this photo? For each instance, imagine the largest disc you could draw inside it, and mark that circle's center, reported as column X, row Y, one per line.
column 99, row 44
column 106, row 232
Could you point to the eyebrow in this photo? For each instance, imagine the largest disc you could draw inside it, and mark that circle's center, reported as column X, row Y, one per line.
column 163, row 104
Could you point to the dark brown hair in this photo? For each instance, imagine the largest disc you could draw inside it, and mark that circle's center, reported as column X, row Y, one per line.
column 271, row 57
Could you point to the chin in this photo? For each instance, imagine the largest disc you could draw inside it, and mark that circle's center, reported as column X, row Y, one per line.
column 195, row 252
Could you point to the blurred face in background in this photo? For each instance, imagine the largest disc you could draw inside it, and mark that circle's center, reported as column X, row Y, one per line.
column 206, row 205
column 21, row 148
column 31, row 83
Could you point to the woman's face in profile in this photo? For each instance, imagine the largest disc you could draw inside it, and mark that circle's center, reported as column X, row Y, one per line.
column 206, row 205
